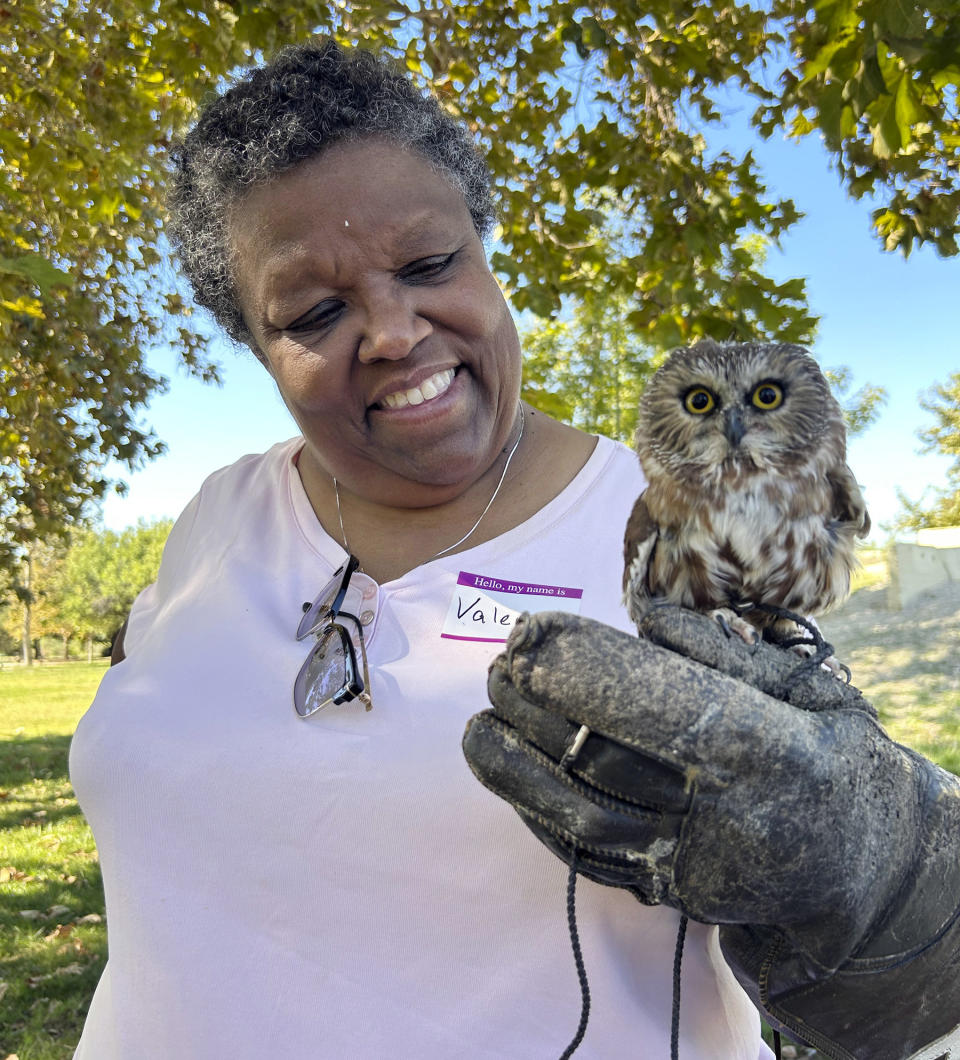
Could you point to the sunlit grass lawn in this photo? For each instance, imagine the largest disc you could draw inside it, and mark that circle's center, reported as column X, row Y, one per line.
column 52, row 928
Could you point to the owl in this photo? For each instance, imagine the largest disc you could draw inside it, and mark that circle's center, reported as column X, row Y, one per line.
column 750, row 506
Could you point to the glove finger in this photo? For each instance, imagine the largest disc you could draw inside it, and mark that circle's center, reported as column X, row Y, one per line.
column 614, row 833
column 776, row 671
column 607, row 765
column 650, row 699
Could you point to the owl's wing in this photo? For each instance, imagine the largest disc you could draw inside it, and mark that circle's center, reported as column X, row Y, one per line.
column 639, row 540
column 848, row 503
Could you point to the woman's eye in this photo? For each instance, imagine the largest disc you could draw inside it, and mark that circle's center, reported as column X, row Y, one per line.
column 426, row 268
column 319, row 317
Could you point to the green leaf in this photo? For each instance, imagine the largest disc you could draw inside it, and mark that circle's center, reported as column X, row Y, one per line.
column 830, row 113
column 39, row 271
column 913, row 50
column 885, row 128
column 909, row 109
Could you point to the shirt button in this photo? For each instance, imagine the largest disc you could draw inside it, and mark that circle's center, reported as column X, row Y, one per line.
column 366, row 617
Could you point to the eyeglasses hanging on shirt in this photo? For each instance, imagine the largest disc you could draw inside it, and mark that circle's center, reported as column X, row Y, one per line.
column 330, row 673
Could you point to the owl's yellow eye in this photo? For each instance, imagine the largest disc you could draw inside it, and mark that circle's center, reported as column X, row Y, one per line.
column 768, row 396
column 699, row 400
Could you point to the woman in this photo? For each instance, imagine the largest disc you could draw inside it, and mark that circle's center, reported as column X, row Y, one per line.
column 337, row 883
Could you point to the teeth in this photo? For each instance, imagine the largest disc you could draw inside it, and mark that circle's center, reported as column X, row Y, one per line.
column 427, row 390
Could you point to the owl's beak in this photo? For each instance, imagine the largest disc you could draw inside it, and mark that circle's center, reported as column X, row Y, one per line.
column 733, row 427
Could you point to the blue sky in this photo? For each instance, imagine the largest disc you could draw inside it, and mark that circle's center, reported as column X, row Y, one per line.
column 893, row 322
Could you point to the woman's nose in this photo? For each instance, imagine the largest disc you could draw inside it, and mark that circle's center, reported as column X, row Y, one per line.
column 392, row 328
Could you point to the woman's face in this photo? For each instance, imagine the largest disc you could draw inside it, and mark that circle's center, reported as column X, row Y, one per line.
column 367, row 291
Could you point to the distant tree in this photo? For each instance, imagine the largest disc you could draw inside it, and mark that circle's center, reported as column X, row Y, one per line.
column 862, row 407
column 46, row 618
column 29, row 612
column 588, row 367
column 9, row 644
column 85, row 589
column 943, row 401
column 943, row 507
column 580, row 106
column 102, row 573
column 80, row 596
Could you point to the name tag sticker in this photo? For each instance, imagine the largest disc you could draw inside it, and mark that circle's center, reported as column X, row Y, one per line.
column 486, row 608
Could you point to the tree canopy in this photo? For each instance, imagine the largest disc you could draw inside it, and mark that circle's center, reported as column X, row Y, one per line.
column 583, row 109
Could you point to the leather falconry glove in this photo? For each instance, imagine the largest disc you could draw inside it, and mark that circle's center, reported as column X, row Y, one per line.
column 748, row 790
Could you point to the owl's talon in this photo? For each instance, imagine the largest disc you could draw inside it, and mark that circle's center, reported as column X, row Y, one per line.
column 809, row 650
column 839, row 670
column 733, row 625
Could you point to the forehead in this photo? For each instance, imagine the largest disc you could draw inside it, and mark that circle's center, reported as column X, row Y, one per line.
column 370, row 193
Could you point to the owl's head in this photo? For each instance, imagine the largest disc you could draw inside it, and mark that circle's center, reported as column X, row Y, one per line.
column 716, row 412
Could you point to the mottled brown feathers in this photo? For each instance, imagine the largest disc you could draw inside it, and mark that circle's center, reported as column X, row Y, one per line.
column 750, row 501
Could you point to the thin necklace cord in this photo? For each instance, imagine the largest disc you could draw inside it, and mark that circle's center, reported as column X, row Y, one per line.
column 493, row 497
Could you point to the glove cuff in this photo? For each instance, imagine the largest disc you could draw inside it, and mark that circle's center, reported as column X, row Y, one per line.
column 899, row 993
column 871, row 1013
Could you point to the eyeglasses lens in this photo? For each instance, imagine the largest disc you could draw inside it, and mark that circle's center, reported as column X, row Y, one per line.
column 328, row 601
column 329, row 675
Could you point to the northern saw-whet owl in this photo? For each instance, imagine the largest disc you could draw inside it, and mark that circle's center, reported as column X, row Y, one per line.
column 749, row 499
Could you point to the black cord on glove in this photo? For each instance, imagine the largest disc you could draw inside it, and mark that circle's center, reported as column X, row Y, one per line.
column 577, row 957
column 675, row 1017
column 822, row 649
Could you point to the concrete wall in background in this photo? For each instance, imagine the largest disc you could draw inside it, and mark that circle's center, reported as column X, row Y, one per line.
column 914, row 569
column 940, row 537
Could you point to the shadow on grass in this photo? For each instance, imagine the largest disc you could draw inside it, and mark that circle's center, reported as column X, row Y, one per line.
column 25, row 758
column 52, row 930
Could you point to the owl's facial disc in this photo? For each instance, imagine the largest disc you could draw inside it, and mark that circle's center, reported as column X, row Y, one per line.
column 716, row 414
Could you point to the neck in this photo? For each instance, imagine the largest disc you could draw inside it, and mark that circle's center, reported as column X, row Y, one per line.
column 391, row 540
column 476, row 525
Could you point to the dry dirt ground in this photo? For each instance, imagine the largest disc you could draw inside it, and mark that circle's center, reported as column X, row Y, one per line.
column 908, row 663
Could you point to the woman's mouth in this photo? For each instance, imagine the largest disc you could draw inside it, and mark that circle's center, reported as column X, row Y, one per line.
column 430, row 388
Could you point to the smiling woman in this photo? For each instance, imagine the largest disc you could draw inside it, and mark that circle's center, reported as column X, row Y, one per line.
column 367, row 292
column 297, row 859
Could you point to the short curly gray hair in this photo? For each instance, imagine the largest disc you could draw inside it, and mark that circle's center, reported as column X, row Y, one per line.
column 309, row 97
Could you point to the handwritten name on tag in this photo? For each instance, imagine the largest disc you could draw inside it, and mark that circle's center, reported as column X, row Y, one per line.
column 485, row 608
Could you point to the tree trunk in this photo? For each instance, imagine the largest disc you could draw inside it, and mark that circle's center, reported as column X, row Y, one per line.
column 89, row 647
column 26, row 653
column 66, row 643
